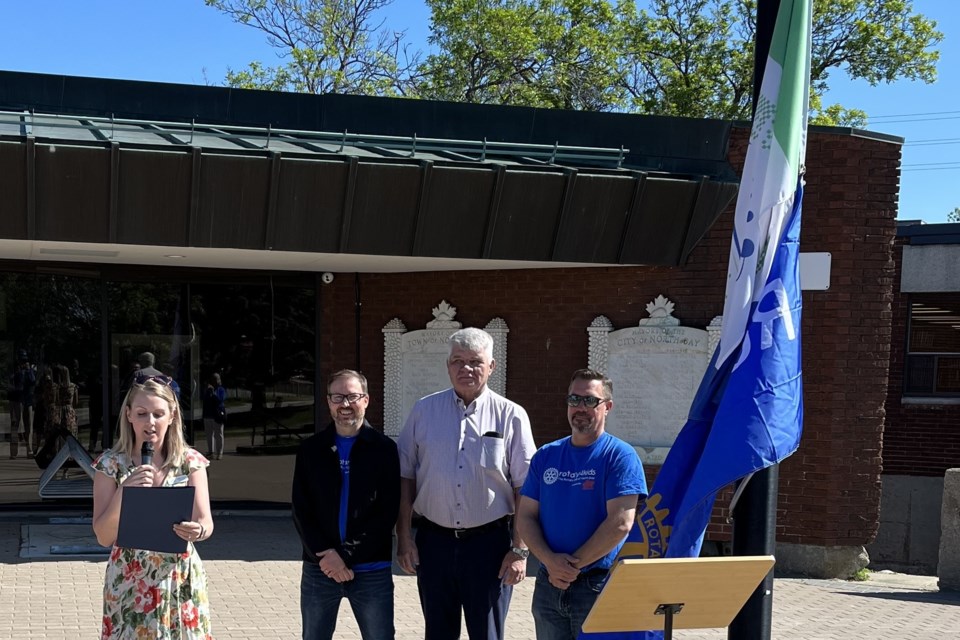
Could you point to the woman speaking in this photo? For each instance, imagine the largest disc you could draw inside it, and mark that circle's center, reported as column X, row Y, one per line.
column 148, row 594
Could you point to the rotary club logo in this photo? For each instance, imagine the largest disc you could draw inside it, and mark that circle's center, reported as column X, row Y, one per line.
column 550, row 475
column 650, row 537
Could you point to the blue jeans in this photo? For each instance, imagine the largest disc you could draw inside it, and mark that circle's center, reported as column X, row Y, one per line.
column 559, row 614
column 370, row 594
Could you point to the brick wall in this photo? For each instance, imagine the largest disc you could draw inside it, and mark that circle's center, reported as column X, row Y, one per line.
column 829, row 490
column 919, row 439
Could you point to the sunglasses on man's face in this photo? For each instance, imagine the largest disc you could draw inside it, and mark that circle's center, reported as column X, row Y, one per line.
column 143, row 378
column 590, row 402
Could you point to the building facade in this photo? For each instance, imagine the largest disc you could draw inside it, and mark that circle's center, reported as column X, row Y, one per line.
column 923, row 403
column 211, row 258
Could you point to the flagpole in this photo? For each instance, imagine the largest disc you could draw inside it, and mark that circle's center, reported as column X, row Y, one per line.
column 754, row 534
column 755, row 515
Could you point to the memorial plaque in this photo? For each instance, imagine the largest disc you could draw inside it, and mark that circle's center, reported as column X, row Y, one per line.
column 655, row 373
column 424, row 368
column 656, row 369
column 415, row 362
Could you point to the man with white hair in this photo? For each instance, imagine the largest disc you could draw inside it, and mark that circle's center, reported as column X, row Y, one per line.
column 464, row 454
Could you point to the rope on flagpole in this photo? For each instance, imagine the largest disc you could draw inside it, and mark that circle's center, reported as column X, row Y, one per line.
column 736, row 494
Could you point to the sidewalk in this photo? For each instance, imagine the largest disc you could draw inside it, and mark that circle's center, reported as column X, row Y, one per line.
column 254, row 573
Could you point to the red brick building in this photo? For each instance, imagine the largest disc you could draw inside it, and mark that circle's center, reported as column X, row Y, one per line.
column 830, row 489
column 921, row 440
column 253, row 226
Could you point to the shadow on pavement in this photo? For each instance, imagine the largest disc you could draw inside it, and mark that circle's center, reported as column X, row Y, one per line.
column 929, row 597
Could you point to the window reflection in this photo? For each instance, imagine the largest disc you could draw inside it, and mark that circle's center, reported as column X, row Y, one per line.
column 257, row 336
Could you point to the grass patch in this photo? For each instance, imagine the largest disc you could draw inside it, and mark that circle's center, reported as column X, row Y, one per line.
column 861, row 576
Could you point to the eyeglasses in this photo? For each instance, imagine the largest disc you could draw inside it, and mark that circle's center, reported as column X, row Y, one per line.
column 143, row 378
column 590, row 402
column 338, row 398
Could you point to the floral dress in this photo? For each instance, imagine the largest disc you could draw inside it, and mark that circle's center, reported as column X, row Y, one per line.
column 152, row 595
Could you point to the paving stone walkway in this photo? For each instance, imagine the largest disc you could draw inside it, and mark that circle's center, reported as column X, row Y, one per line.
column 254, row 573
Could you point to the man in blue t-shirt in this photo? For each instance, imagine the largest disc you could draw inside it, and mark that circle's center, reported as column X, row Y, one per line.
column 346, row 495
column 579, row 501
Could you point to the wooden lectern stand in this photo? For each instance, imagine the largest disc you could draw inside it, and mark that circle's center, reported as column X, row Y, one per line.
column 702, row 593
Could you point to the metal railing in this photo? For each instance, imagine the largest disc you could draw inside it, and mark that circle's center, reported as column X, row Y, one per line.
column 193, row 133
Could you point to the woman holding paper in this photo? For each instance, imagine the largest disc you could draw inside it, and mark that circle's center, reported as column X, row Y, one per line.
column 149, row 594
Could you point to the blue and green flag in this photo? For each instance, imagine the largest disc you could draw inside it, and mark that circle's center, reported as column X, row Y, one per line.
column 748, row 411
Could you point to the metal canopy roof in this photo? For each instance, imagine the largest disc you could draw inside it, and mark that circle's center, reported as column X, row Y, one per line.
column 104, row 180
column 67, row 128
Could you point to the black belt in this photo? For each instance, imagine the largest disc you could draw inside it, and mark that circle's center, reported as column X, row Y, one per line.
column 423, row 523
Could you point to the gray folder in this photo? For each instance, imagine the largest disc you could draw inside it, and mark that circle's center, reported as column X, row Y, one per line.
column 147, row 516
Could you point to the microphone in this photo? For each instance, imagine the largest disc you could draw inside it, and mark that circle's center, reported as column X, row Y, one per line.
column 146, row 453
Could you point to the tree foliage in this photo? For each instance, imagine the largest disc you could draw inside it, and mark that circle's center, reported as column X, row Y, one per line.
column 954, row 216
column 325, row 46
column 545, row 53
column 668, row 57
column 691, row 58
column 873, row 40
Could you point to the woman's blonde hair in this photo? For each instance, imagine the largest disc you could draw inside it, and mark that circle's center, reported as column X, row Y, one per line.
column 174, row 444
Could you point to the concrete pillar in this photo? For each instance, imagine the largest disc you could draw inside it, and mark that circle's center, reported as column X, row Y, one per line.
column 949, row 568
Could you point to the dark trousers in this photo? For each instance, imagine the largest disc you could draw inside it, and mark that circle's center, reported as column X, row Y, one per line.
column 370, row 595
column 461, row 573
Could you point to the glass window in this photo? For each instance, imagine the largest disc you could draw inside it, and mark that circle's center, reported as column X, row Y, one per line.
column 50, row 358
column 258, row 339
column 933, row 346
column 251, row 334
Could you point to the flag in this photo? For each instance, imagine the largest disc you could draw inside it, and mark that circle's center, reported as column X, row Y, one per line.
column 748, row 411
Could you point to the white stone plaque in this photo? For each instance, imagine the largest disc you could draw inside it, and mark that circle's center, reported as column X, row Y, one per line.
column 424, row 369
column 656, row 369
column 415, row 362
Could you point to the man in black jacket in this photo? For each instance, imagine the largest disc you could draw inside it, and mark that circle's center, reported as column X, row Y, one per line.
column 346, row 494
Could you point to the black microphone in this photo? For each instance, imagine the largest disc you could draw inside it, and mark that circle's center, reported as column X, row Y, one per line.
column 146, row 453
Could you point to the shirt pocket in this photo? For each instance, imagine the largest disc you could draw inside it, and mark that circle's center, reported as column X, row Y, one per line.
column 491, row 453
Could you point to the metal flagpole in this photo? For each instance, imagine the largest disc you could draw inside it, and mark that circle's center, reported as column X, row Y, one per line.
column 755, row 515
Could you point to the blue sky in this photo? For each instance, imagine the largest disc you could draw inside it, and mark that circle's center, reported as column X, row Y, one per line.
column 187, row 42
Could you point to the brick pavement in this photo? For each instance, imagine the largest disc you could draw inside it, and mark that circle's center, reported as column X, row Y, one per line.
column 254, row 577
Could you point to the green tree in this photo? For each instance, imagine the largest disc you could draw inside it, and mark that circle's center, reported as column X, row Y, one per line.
column 954, row 216
column 670, row 57
column 487, row 52
column 673, row 57
column 545, row 53
column 690, row 58
column 695, row 57
column 326, row 46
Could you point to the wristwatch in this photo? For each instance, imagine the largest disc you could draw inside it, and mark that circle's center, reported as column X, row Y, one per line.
column 521, row 553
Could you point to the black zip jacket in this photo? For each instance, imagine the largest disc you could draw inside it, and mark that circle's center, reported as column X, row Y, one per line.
column 373, row 503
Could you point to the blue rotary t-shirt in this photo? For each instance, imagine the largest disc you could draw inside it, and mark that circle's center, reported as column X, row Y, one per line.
column 572, row 485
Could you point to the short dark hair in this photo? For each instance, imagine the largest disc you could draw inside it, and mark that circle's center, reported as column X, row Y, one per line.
column 590, row 375
column 348, row 373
